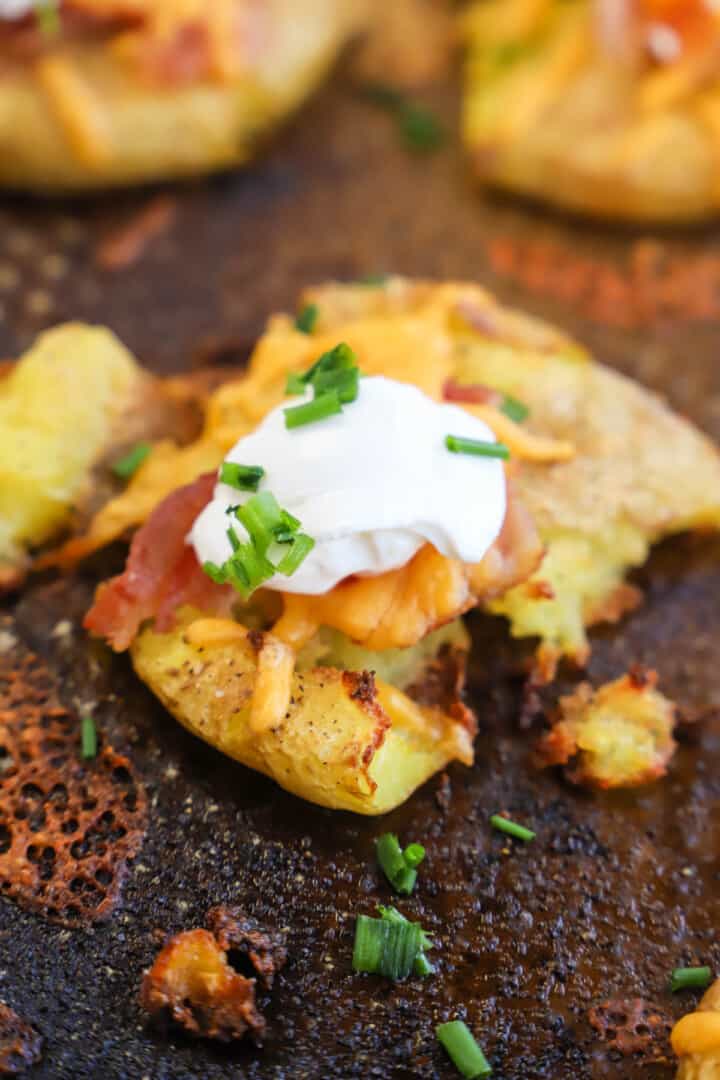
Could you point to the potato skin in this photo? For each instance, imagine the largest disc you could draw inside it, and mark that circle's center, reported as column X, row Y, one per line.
column 150, row 133
column 345, row 742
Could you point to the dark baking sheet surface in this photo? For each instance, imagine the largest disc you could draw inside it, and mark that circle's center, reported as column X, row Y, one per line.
column 616, row 890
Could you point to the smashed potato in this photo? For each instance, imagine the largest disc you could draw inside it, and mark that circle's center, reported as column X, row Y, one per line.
column 620, row 735
column 47, row 452
column 132, row 91
column 696, row 1039
column 557, row 110
column 607, row 469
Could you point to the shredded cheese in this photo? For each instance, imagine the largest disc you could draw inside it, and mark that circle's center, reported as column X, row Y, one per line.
column 215, row 633
column 521, row 442
column 275, row 668
column 696, row 1033
column 273, row 685
column 81, row 114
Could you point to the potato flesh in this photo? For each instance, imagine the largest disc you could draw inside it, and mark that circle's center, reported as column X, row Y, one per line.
column 59, row 408
column 332, row 747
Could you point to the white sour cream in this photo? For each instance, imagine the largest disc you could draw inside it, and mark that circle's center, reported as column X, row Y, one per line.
column 370, row 485
column 15, row 9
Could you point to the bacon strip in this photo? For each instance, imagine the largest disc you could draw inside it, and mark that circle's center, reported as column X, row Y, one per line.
column 162, row 573
column 471, row 393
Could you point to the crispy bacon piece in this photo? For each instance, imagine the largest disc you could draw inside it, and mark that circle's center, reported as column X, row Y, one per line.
column 162, row 573
column 471, row 393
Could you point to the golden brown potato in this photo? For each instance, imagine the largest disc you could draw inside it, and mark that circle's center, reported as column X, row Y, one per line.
column 556, row 111
column 620, row 735
column 340, row 738
column 127, row 92
column 61, row 407
column 696, row 1039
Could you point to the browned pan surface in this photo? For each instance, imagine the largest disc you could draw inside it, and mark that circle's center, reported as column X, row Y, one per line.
column 616, row 890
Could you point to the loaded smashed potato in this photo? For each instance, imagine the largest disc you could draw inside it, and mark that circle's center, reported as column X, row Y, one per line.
column 607, row 108
column 95, row 93
column 349, row 693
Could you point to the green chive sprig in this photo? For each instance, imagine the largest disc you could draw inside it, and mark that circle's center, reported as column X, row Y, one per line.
column 88, row 737
column 48, row 16
column 457, row 444
column 275, row 545
column 241, row 477
column 399, row 867
column 463, row 1049
column 391, row 946
column 307, row 319
column 515, row 410
column 503, row 824
column 419, row 127
column 335, row 381
column 690, row 978
column 126, row 466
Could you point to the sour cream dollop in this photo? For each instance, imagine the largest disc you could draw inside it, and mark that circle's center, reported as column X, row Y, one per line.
column 15, row 9
column 370, row 486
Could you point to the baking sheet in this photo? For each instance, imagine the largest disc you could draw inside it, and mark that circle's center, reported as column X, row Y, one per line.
column 617, row 889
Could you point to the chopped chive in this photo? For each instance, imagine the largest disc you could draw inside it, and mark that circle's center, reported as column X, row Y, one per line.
column 48, row 17
column 300, row 547
column 233, row 538
column 383, row 94
column 215, row 573
column 698, row 978
column 390, row 945
column 310, row 412
column 391, row 914
column 307, row 319
column 261, row 516
column 374, row 279
column 463, row 1050
column 514, row 409
column 399, row 866
column 88, row 737
column 345, row 383
column 511, row 828
column 422, row 965
column 274, row 545
column 414, row 854
column 295, row 384
column 420, row 128
column 385, row 948
column 459, row 445
column 131, row 462
column 241, row 477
